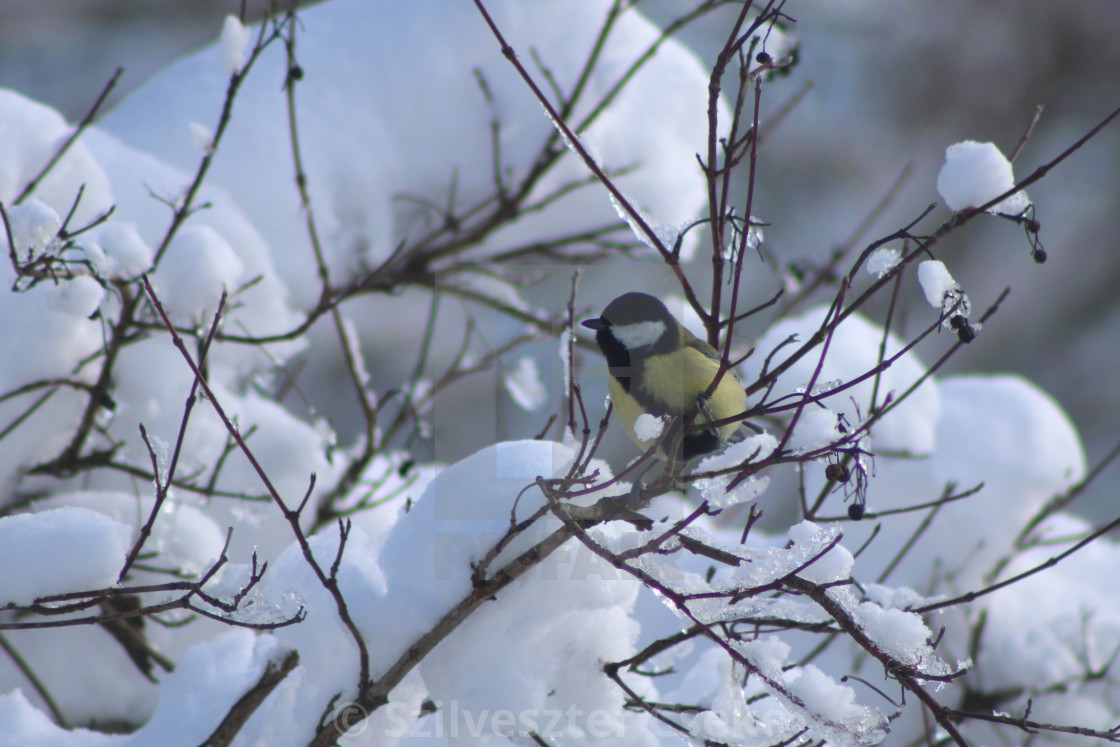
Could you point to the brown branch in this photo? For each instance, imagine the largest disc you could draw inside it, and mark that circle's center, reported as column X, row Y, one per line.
column 274, row 673
column 376, row 694
column 87, row 120
column 163, row 482
column 1048, row 563
column 330, row 583
column 908, row 679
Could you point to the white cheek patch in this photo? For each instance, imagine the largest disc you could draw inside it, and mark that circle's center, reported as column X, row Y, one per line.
column 639, row 334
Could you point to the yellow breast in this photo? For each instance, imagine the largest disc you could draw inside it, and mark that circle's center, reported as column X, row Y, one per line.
column 671, row 384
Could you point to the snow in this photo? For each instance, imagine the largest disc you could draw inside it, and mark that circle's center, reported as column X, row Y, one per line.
column 831, row 710
column 208, row 680
column 564, row 353
column 59, row 551
column 975, row 173
column 816, row 428
column 262, row 309
column 1078, row 626
column 524, row 384
column 125, row 251
column 938, row 284
column 185, row 534
column 27, row 726
column 201, row 137
column 353, row 343
column 658, row 233
column 648, row 427
column 813, row 701
column 715, row 489
column 80, row 296
column 554, row 627
column 232, row 44
column 199, row 265
column 368, row 140
column 195, row 698
column 853, row 352
column 826, row 567
column 882, row 261
column 34, row 227
column 729, row 718
column 539, row 645
column 901, row 635
column 32, row 134
column 1004, row 432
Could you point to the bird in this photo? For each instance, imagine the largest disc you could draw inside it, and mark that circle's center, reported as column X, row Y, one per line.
column 656, row 366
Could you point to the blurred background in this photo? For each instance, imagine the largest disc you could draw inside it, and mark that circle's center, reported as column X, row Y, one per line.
column 887, row 86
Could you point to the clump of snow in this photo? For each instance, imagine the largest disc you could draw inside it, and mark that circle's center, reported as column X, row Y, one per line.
column 590, row 144
column 648, row 427
column 813, row 701
column 574, row 601
column 34, row 226
column 901, row 635
column 185, row 535
column 201, row 137
column 127, row 253
column 79, row 296
column 941, row 291
column 59, row 551
column 882, row 261
column 353, row 343
column 831, row 564
column 817, row 427
column 901, row 597
column 937, row 283
column 32, row 135
column 198, row 266
column 831, row 711
column 716, row 490
column 755, row 235
column 729, row 715
column 524, row 384
column 208, row 680
column 563, row 351
column 487, row 285
column 658, row 232
column 232, row 44
column 263, row 308
column 326, row 648
column 541, row 643
column 367, row 143
column 27, row 726
column 555, row 626
column 975, row 173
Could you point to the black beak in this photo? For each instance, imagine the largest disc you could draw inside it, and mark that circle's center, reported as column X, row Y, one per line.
column 596, row 324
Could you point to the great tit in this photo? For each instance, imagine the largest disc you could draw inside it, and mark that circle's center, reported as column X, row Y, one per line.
column 657, row 366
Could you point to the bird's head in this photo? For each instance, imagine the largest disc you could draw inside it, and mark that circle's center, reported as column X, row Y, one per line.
column 638, row 323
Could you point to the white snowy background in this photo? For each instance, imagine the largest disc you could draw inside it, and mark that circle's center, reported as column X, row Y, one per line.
column 540, row 646
column 893, row 84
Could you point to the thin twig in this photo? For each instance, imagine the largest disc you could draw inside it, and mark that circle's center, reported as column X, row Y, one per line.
column 87, row 120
